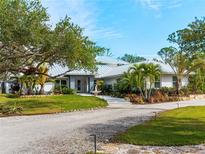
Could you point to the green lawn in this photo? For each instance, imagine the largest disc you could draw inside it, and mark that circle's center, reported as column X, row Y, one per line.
column 184, row 126
column 53, row 104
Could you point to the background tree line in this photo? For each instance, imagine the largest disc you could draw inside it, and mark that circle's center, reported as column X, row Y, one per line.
column 187, row 56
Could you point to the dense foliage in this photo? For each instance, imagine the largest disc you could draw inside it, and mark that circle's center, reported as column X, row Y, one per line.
column 27, row 40
column 132, row 58
column 197, row 81
column 188, row 53
column 139, row 79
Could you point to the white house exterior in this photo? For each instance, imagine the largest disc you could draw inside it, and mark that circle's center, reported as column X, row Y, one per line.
column 108, row 70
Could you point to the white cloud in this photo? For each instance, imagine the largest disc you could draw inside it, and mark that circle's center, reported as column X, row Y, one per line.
column 152, row 4
column 157, row 5
column 85, row 14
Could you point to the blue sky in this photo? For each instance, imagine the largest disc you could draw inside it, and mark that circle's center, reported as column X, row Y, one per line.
column 138, row 27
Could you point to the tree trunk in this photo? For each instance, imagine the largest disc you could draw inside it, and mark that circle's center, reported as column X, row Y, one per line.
column 179, row 84
column 141, row 92
column 145, row 89
column 29, row 91
column 150, row 91
column 42, row 90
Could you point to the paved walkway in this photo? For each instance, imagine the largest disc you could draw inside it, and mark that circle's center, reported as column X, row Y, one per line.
column 70, row 132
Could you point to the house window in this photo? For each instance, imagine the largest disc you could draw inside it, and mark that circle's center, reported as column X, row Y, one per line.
column 174, row 81
column 157, row 83
column 63, row 82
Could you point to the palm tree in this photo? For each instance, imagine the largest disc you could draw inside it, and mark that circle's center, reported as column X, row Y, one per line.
column 144, row 74
column 29, row 82
column 153, row 73
column 182, row 63
column 126, row 81
column 42, row 77
column 137, row 76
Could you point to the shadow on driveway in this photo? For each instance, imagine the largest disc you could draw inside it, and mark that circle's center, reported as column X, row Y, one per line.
column 105, row 132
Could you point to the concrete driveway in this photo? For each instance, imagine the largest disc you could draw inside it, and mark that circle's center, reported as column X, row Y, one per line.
column 70, row 132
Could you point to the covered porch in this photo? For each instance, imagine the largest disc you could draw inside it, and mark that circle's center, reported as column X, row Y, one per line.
column 80, row 83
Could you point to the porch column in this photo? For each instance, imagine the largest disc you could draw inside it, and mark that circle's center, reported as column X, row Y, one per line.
column 88, row 84
column 68, row 82
column 91, row 83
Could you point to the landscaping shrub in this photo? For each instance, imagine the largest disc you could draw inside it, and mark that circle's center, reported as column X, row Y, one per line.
column 10, row 110
column 115, row 90
column 66, row 90
column 12, row 95
column 57, row 89
column 135, row 99
column 184, row 91
column 107, row 89
column 158, row 97
column 63, row 90
column 168, row 90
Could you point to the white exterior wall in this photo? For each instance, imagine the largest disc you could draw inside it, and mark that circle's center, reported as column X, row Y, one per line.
column 72, row 82
column 185, row 81
column 166, row 81
column 110, row 81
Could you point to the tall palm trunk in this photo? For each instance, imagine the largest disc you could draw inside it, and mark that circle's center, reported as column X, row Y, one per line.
column 29, row 90
column 145, row 89
column 150, row 90
column 142, row 94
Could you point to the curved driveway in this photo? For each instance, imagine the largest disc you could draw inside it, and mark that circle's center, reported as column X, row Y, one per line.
column 70, row 132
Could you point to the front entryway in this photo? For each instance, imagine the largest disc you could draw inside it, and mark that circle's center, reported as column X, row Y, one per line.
column 81, row 84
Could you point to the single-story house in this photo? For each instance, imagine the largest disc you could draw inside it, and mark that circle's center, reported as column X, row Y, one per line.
column 108, row 69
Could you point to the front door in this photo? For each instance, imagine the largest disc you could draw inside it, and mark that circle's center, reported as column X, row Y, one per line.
column 81, row 84
column 79, row 87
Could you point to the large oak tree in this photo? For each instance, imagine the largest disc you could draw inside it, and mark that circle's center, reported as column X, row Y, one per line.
column 27, row 40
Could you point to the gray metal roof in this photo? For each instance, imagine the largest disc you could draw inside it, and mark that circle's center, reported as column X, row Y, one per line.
column 106, row 69
column 58, row 69
column 165, row 68
column 110, row 60
column 109, row 71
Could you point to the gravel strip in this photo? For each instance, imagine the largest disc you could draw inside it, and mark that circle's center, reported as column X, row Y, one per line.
column 133, row 149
